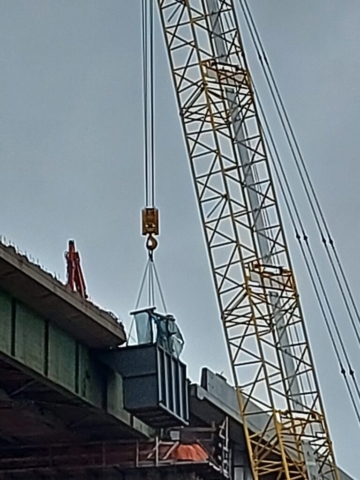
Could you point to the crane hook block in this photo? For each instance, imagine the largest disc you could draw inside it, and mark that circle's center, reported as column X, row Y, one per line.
column 150, row 222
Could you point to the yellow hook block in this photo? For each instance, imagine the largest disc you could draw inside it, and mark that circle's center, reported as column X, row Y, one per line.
column 150, row 227
column 150, row 221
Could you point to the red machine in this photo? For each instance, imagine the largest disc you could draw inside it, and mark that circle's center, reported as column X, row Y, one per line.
column 75, row 277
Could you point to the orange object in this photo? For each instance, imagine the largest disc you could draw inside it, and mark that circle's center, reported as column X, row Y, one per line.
column 193, row 452
column 75, row 277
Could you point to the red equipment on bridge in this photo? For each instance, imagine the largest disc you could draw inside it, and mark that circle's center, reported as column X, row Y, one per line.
column 75, row 277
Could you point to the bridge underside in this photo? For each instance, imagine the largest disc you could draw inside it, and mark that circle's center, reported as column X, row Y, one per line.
column 33, row 412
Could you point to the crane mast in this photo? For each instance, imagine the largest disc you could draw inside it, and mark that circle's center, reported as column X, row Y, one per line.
column 279, row 398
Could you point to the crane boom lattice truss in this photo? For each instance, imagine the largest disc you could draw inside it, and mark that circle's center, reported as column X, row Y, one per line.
column 279, row 399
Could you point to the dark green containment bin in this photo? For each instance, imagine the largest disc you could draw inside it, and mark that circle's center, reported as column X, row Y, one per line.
column 155, row 384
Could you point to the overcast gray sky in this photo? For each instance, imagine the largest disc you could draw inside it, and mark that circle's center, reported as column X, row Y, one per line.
column 72, row 161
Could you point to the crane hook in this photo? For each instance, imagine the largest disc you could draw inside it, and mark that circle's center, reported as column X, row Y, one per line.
column 151, row 244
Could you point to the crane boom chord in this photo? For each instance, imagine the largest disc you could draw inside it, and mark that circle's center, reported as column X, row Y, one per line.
column 279, row 397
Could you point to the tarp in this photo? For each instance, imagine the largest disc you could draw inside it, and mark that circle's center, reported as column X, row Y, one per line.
column 193, row 452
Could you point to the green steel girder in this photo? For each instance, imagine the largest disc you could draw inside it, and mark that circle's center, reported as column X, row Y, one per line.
column 54, row 358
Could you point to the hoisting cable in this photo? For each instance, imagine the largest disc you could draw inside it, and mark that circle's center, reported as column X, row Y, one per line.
column 295, row 218
column 150, row 215
column 351, row 371
column 342, row 370
column 305, row 177
column 144, row 34
column 162, row 298
column 273, row 152
column 305, row 237
column 149, row 282
column 289, row 194
column 152, row 102
column 138, row 300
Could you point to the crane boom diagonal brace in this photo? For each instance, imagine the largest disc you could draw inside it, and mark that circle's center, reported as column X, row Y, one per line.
column 278, row 392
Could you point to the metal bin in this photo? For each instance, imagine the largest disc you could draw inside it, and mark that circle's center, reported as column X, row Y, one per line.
column 155, row 384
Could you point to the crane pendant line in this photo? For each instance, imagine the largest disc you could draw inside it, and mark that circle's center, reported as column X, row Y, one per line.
column 278, row 392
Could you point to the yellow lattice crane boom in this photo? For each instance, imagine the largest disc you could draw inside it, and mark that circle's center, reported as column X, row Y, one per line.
column 279, row 398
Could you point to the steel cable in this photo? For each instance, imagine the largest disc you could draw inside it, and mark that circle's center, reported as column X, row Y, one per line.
column 305, row 177
column 144, row 37
column 342, row 369
column 291, row 206
column 150, row 275
column 147, row 34
column 305, row 238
